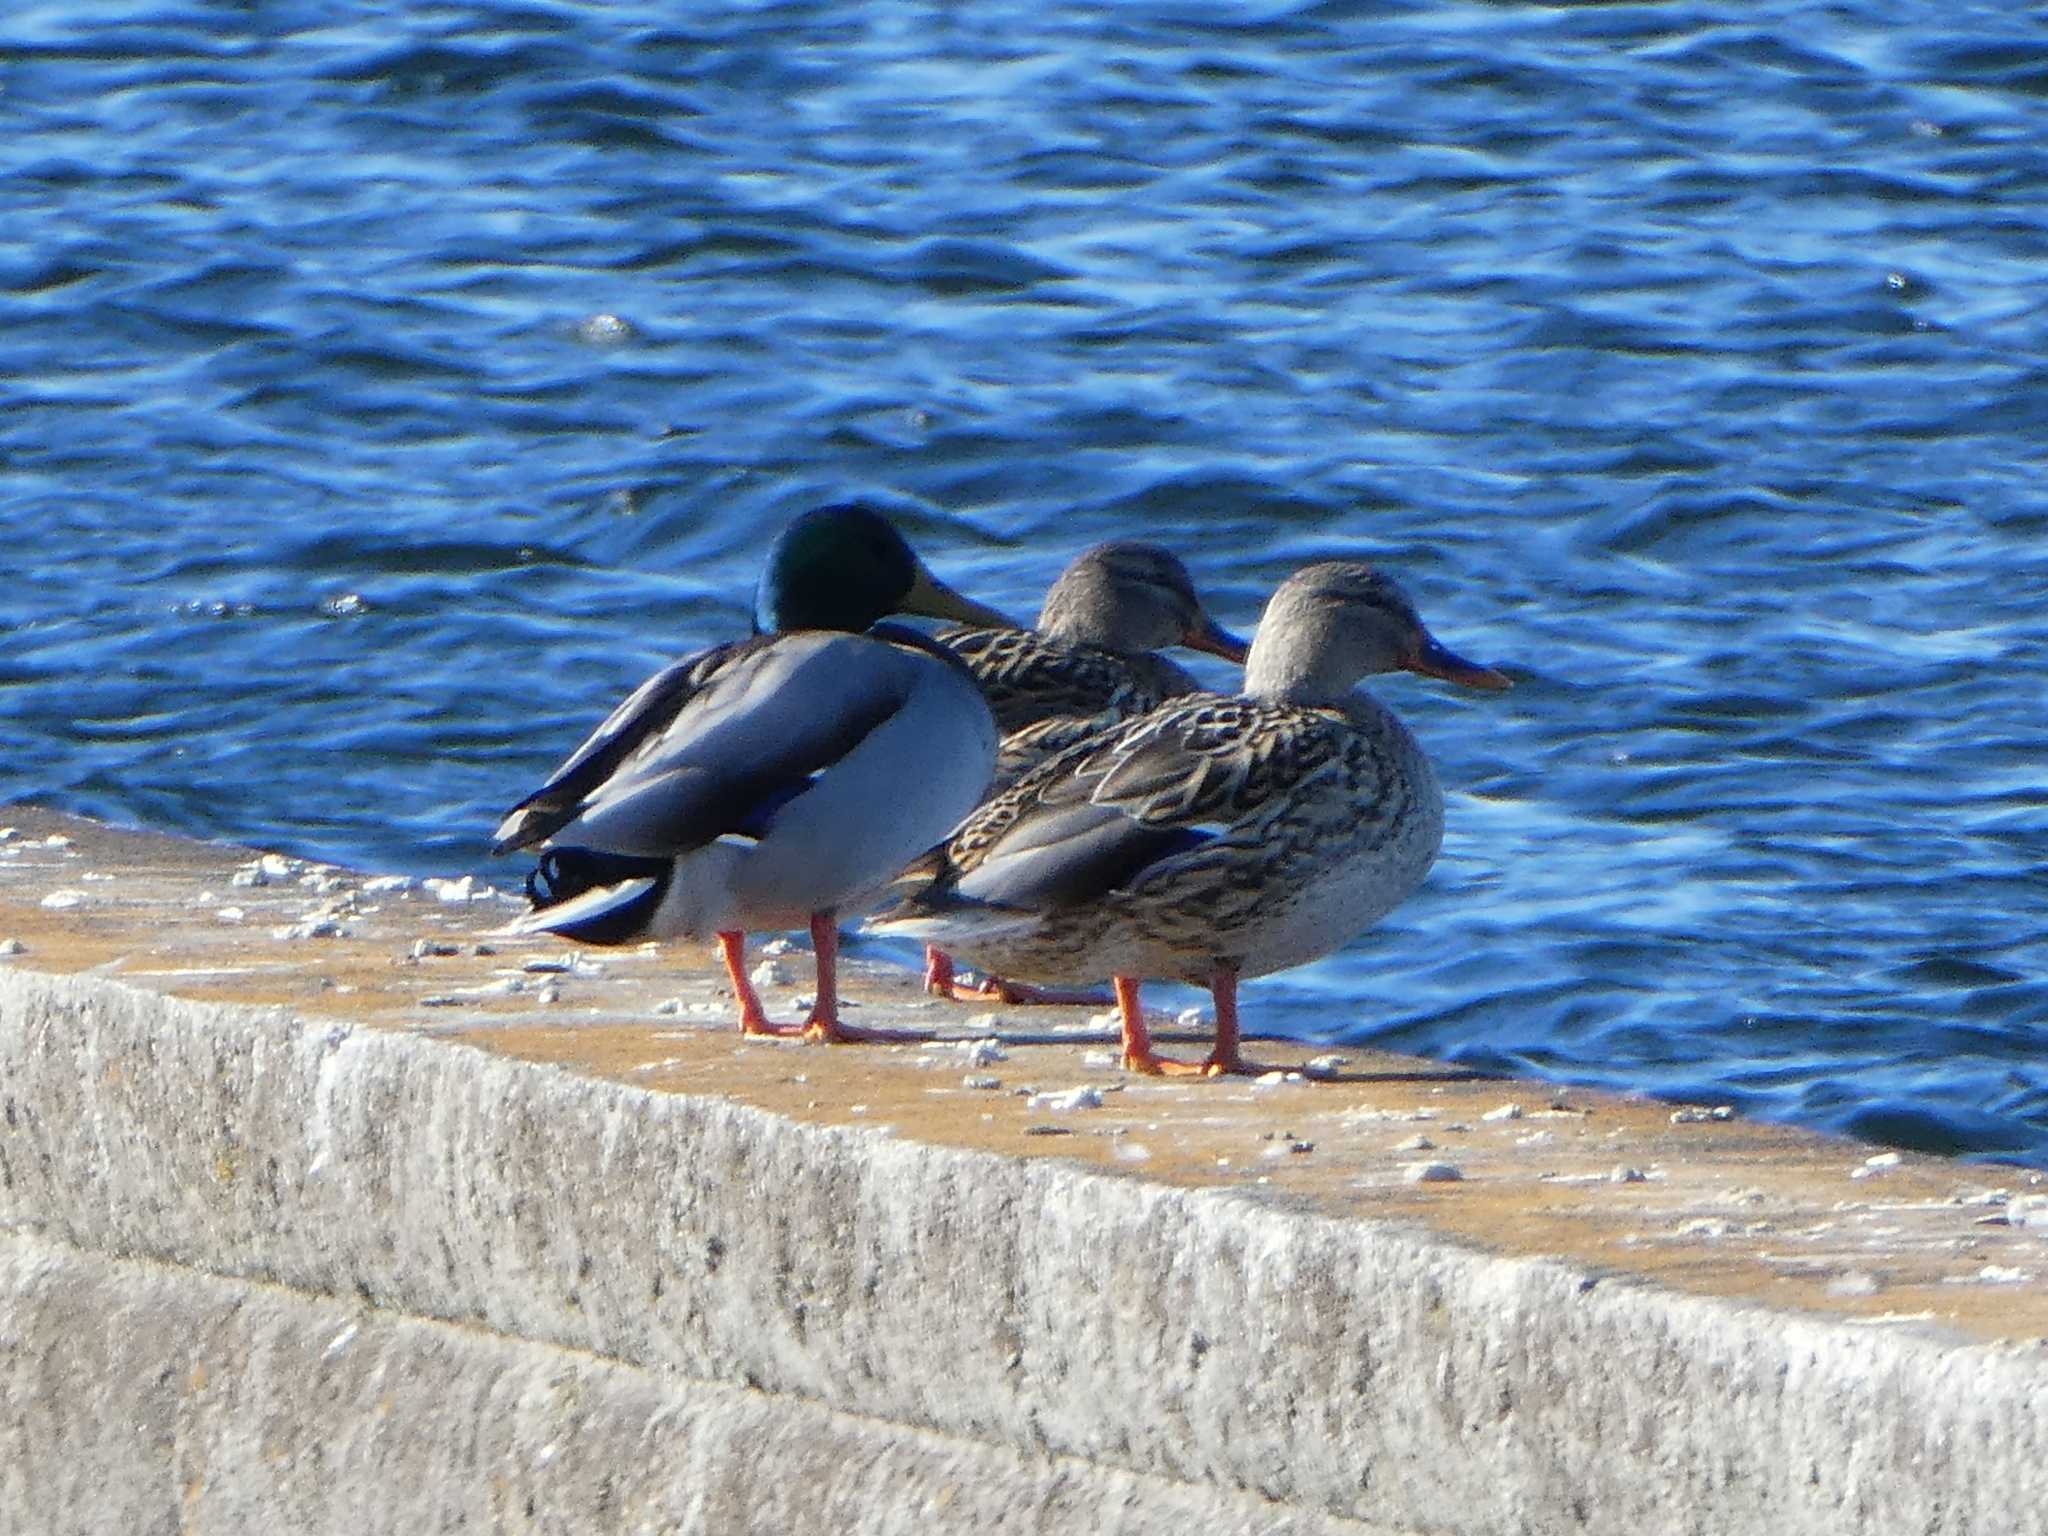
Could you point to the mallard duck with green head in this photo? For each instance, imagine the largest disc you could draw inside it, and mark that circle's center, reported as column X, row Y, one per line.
column 771, row 782
column 1211, row 839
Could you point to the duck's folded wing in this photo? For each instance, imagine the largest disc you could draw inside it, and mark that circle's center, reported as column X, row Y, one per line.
column 1071, row 857
column 752, row 735
column 1105, row 814
column 644, row 714
column 1022, row 750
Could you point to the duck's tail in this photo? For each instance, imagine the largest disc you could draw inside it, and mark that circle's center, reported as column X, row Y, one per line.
column 933, row 912
column 594, row 897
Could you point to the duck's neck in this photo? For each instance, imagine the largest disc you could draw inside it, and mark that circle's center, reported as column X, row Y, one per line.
column 1077, row 609
column 1300, row 657
column 779, row 610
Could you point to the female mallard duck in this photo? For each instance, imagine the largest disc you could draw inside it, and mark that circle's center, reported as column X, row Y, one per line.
column 1091, row 661
column 769, row 782
column 1093, row 658
column 1211, row 838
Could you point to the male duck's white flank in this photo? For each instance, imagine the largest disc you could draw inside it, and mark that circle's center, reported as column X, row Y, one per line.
column 771, row 782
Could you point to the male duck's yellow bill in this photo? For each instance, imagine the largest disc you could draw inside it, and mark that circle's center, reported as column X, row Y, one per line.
column 932, row 598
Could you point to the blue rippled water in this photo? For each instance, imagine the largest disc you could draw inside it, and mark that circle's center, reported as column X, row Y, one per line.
column 389, row 388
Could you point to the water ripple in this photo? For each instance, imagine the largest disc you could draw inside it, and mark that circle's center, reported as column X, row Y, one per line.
column 391, row 390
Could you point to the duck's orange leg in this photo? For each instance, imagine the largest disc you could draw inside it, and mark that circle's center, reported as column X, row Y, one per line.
column 1223, row 1056
column 1222, row 1060
column 732, row 949
column 1138, row 1053
column 1138, row 1056
column 823, row 1023
column 939, row 981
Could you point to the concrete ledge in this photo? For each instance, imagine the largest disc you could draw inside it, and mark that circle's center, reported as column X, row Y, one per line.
column 1335, row 1368
column 221, row 1406
column 609, row 1267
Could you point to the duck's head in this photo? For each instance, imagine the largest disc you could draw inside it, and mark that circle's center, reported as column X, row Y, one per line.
column 1130, row 597
column 844, row 567
column 1330, row 624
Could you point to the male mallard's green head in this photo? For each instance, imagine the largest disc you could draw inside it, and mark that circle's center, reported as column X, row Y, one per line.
column 844, row 567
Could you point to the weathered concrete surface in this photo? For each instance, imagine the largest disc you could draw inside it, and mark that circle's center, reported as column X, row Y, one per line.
column 1727, row 1208
column 136, row 1398
column 1241, row 1336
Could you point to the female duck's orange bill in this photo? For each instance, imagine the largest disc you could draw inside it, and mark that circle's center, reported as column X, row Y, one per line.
column 1212, row 638
column 1433, row 659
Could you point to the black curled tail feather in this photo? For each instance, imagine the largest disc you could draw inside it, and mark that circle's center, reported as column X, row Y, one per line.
column 566, row 873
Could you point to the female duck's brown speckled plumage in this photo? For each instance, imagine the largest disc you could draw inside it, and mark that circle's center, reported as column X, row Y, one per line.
column 1212, row 838
column 1092, row 658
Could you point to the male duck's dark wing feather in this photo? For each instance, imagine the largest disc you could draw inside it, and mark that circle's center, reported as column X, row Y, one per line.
column 644, row 714
column 746, row 739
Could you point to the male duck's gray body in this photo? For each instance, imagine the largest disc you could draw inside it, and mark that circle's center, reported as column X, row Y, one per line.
column 773, row 782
